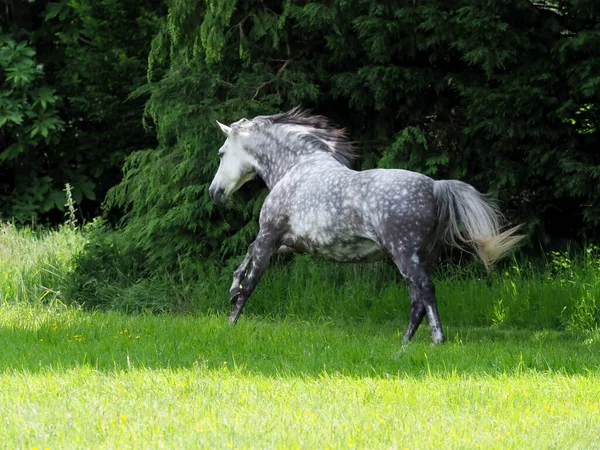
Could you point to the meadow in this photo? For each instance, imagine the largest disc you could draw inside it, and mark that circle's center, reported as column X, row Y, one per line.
column 315, row 362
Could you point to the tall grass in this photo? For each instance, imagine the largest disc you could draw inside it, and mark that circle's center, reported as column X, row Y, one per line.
column 35, row 264
column 57, row 265
column 561, row 295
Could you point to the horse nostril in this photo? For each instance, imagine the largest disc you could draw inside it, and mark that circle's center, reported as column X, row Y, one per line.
column 217, row 195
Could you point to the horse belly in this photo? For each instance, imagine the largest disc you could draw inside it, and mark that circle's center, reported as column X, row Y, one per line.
column 348, row 250
column 355, row 251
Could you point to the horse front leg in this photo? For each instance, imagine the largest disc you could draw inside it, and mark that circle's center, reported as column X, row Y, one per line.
column 239, row 276
column 259, row 255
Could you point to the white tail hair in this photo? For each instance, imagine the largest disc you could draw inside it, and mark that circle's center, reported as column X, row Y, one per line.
column 459, row 203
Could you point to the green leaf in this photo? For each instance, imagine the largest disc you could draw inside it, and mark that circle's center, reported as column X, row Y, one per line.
column 12, row 151
column 53, row 10
column 13, row 116
column 87, row 189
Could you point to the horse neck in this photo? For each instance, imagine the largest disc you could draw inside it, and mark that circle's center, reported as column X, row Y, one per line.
column 272, row 170
column 275, row 159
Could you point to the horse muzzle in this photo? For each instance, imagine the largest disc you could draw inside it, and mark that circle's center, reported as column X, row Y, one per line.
column 218, row 195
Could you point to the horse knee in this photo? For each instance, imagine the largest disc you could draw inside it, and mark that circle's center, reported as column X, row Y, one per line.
column 427, row 286
column 423, row 285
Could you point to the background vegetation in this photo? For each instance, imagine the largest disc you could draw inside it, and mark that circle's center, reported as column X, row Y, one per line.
column 66, row 71
column 502, row 94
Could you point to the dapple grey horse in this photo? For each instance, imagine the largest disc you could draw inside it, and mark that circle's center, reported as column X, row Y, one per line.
column 318, row 205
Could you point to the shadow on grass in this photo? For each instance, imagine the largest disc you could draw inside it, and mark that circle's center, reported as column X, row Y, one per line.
column 291, row 347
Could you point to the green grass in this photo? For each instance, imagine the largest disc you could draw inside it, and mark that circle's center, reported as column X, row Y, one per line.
column 71, row 378
column 316, row 361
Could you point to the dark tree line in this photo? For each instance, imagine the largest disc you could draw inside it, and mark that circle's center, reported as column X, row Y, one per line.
column 67, row 69
column 503, row 94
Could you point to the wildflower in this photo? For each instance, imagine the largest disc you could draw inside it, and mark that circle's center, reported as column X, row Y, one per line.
column 123, row 418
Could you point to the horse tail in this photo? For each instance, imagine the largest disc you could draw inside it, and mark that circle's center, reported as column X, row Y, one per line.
column 459, row 203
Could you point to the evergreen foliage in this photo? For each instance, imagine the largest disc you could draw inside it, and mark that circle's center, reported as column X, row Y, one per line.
column 502, row 94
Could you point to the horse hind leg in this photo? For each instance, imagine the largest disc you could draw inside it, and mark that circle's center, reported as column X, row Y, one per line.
column 417, row 312
column 422, row 296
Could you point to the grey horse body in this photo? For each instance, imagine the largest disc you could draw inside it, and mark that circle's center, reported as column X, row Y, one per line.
column 318, row 205
column 329, row 210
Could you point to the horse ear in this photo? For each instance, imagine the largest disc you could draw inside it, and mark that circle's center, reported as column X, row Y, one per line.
column 224, row 128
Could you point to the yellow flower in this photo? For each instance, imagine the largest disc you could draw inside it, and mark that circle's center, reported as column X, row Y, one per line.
column 123, row 418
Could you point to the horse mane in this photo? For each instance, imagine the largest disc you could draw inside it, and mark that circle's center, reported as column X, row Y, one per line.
column 317, row 130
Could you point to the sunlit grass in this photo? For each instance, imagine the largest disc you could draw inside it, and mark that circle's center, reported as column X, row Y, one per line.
column 72, row 378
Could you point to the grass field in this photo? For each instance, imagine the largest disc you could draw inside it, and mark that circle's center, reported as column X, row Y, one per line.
column 289, row 375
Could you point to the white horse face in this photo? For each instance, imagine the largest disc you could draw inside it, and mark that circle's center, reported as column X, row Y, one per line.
column 237, row 166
